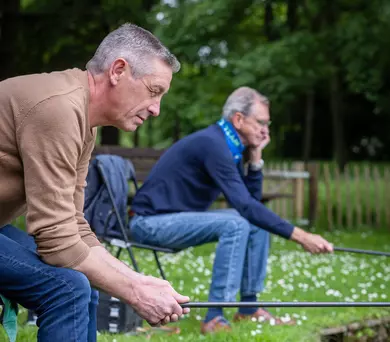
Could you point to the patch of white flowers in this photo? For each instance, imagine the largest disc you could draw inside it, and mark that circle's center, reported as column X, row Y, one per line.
column 291, row 276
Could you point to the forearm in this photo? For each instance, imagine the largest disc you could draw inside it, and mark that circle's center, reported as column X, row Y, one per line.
column 255, row 157
column 259, row 215
column 109, row 274
column 114, row 262
column 153, row 299
column 254, row 183
column 254, row 176
column 298, row 235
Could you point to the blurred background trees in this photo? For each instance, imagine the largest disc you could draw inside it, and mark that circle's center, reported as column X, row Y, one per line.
column 325, row 65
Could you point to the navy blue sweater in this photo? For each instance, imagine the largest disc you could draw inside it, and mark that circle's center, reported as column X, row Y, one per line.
column 193, row 172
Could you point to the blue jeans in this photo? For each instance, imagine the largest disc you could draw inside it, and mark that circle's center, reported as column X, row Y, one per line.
column 62, row 298
column 241, row 257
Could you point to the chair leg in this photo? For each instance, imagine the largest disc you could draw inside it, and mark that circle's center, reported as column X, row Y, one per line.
column 118, row 253
column 159, row 265
column 134, row 262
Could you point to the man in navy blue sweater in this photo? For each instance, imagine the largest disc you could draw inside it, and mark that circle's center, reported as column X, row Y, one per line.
column 172, row 205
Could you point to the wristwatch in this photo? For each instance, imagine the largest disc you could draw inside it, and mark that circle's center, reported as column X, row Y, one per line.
column 256, row 166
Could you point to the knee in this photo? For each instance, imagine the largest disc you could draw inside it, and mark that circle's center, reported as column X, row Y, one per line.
column 66, row 303
column 73, row 288
column 80, row 287
column 238, row 226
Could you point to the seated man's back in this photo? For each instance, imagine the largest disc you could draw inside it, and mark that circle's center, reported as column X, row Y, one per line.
column 180, row 180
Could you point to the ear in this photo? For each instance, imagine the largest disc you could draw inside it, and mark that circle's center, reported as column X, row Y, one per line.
column 237, row 120
column 117, row 70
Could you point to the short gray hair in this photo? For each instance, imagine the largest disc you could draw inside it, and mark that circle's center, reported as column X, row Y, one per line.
column 241, row 100
column 134, row 44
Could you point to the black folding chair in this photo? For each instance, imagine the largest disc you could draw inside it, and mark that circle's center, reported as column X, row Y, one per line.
column 124, row 241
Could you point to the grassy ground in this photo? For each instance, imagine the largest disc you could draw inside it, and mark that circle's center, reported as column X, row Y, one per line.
column 293, row 275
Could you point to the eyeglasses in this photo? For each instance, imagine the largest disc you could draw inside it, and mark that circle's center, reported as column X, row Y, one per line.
column 264, row 123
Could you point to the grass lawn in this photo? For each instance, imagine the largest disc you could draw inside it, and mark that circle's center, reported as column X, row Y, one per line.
column 292, row 275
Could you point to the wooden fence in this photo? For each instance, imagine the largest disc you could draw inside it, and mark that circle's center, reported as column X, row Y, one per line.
column 300, row 183
column 323, row 195
column 356, row 197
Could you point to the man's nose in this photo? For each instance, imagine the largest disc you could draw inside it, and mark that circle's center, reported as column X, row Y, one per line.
column 154, row 109
column 264, row 129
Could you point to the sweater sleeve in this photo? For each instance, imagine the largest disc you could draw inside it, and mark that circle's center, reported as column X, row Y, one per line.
column 253, row 181
column 50, row 144
column 79, row 196
column 224, row 172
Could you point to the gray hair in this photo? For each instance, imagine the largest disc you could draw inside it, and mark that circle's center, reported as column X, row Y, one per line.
column 241, row 100
column 134, row 44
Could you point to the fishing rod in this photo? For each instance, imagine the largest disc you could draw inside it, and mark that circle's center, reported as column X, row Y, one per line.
column 361, row 251
column 283, row 304
column 297, row 304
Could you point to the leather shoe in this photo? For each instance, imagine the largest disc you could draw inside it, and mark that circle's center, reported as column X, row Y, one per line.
column 218, row 323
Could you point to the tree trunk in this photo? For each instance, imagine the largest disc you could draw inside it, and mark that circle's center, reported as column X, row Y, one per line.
column 9, row 28
column 309, row 115
column 292, row 19
column 331, row 13
column 110, row 136
column 268, row 20
column 337, row 122
column 147, row 5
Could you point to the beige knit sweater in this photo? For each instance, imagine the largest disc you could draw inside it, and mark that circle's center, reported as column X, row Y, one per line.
column 45, row 147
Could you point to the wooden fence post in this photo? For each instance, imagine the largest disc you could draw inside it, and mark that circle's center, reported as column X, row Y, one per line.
column 313, row 169
column 299, row 189
column 328, row 196
column 348, row 203
column 357, row 186
column 285, row 208
column 378, row 197
column 367, row 197
column 337, row 190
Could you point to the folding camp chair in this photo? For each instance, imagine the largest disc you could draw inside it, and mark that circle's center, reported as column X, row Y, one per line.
column 124, row 240
column 8, row 317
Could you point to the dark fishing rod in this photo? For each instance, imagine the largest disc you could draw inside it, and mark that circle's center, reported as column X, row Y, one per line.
column 360, row 251
column 284, row 304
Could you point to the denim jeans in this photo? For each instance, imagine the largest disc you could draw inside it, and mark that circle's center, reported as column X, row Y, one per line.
column 241, row 257
column 62, row 298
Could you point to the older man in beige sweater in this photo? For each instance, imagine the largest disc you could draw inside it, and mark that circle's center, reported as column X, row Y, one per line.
column 47, row 133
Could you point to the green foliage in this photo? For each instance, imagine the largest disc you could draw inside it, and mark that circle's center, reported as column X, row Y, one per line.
column 284, row 68
column 360, row 46
column 226, row 52
column 223, row 44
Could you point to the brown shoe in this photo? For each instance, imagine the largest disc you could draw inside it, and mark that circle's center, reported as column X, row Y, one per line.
column 218, row 323
column 261, row 315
